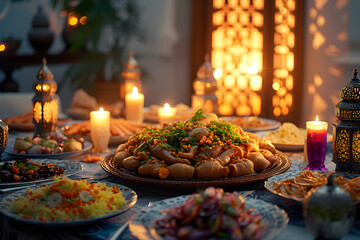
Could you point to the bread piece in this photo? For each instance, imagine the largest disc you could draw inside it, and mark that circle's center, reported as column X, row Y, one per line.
column 260, row 163
column 180, row 170
column 210, row 169
column 83, row 100
column 241, row 167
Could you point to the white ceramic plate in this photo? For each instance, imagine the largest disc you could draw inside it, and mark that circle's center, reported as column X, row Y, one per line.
column 113, row 139
column 269, row 183
column 290, row 146
column 142, row 226
column 87, row 146
column 129, row 195
column 70, row 168
column 273, row 124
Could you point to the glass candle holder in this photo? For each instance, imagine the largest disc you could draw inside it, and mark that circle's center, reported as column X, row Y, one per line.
column 100, row 130
column 316, row 140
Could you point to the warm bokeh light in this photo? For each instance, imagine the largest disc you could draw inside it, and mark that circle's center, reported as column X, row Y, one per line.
column 73, row 21
column 276, row 86
column 237, row 53
column 284, row 42
column 83, row 20
column 2, row 47
column 252, row 69
column 237, row 46
column 217, row 73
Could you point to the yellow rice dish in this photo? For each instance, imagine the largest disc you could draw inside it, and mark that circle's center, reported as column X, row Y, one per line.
column 68, row 200
column 288, row 133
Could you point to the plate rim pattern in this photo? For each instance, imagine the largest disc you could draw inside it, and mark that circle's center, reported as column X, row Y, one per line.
column 130, row 198
column 282, row 165
column 139, row 228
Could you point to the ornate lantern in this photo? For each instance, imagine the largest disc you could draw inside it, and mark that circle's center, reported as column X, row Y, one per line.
column 346, row 130
column 205, row 87
column 131, row 74
column 45, row 104
column 4, row 135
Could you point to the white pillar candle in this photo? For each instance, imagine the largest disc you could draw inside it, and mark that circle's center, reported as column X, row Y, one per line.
column 100, row 130
column 134, row 105
column 166, row 113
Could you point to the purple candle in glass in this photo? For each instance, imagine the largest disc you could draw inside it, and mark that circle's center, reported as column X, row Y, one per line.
column 316, row 132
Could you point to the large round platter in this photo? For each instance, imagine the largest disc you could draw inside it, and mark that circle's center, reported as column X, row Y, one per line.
column 269, row 184
column 129, row 195
column 280, row 166
column 87, row 146
column 70, row 168
column 272, row 124
column 273, row 218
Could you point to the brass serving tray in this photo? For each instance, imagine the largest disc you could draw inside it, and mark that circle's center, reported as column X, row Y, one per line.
column 280, row 166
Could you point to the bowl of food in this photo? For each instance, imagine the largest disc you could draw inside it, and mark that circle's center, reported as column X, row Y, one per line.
column 209, row 214
column 52, row 146
column 68, row 202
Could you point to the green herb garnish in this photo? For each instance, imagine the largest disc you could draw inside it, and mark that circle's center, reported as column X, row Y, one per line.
column 198, row 115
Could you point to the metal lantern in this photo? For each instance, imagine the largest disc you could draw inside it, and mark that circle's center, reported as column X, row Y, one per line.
column 205, row 86
column 329, row 212
column 346, row 130
column 4, row 135
column 131, row 74
column 45, row 104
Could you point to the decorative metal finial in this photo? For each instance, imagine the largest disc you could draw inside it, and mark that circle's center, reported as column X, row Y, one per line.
column 355, row 72
column 45, row 72
column 207, row 57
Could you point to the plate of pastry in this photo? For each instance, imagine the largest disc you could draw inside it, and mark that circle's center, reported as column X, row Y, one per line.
column 120, row 130
column 24, row 122
column 196, row 153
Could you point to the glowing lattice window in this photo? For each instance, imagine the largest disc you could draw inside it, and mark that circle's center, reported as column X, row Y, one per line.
column 237, row 49
column 283, row 62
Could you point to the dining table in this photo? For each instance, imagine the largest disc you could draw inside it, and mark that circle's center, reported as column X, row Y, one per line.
column 105, row 229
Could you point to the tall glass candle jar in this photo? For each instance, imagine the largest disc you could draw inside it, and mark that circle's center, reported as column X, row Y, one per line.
column 316, row 140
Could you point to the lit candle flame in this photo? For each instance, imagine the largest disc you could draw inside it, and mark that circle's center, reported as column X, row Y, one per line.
column 2, row 47
column 317, row 118
column 101, row 109
column 135, row 92
column 167, row 107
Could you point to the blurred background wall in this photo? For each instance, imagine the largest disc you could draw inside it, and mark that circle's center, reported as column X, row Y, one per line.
column 163, row 57
column 330, row 51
